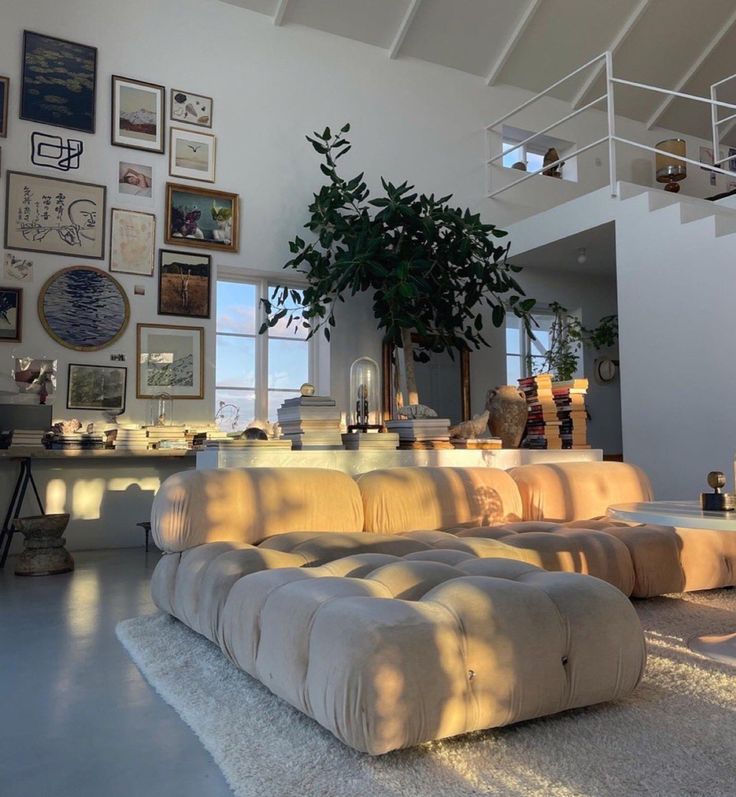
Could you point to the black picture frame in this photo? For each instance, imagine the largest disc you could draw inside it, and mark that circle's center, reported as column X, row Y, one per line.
column 18, row 307
column 118, row 135
column 172, row 297
column 118, row 407
column 4, row 102
column 77, row 109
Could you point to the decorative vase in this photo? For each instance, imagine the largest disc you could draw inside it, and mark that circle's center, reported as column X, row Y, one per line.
column 508, row 413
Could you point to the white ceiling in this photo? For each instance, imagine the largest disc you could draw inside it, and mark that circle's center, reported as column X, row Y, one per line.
column 678, row 44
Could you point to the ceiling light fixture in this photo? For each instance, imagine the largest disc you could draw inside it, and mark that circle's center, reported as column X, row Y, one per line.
column 582, row 255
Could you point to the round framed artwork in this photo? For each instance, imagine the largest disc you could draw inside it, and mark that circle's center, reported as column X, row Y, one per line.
column 83, row 308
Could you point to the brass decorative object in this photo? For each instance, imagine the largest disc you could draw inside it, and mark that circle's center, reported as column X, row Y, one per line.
column 717, row 501
column 670, row 169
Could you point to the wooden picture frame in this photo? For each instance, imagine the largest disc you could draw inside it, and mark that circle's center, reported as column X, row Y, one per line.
column 189, row 108
column 138, row 115
column 162, row 354
column 192, row 155
column 190, row 218
column 11, row 314
column 132, row 242
column 95, row 377
column 74, row 103
column 184, row 284
column 4, row 102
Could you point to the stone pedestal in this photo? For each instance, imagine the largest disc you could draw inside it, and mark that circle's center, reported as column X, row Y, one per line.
column 44, row 553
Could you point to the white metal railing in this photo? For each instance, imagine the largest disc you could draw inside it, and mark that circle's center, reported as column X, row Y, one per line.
column 611, row 138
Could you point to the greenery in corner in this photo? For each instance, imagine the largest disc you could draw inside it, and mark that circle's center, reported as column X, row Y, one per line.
column 567, row 338
column 429, row 267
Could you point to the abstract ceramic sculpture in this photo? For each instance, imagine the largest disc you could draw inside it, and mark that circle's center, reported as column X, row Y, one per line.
column 508, row 413
column 472, row 428
column 43, row 553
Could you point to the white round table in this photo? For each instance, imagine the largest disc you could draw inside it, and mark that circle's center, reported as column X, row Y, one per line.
column 689, row 515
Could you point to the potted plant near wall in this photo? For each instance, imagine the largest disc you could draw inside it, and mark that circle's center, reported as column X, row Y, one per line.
column 430, row 268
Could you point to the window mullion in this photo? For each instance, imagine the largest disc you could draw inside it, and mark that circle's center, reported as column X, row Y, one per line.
column 261, row 404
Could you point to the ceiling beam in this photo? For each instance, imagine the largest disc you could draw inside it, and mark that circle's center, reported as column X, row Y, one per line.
column 411, row 12
column 702, row 58
column 278, row 17
column 616, row 42
column 522, row 25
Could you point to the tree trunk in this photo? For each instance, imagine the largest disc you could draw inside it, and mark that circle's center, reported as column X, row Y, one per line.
column 411, row 380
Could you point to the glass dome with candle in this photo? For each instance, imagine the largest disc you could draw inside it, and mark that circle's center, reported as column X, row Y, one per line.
column 365, row 396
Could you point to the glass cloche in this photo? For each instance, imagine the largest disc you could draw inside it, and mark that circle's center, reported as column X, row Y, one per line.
column 365, row 395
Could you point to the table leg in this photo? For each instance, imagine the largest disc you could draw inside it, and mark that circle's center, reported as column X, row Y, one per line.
column 25, row 475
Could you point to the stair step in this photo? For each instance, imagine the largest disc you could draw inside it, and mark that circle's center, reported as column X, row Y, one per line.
column 725, row 225
column 629, row 190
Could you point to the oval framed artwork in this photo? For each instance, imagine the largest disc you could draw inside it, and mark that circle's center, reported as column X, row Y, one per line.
column 83, row 308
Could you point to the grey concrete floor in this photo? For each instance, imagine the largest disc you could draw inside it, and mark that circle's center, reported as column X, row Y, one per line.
column 76, row 716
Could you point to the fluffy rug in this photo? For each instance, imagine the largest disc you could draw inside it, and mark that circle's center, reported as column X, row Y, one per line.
column 674, row 737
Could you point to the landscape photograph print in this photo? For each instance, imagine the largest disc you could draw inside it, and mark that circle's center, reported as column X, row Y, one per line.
column 58, row 82
column 170, row 359
column 184, row 284
column 138, row 114
column 192, row 155
column 96, row 387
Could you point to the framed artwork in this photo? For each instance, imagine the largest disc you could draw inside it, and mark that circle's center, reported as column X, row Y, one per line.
column 17, row 268
column 194, row 109
column 54, row 215
column 132, row 242
column 184, row 282
column 11, row 309
column 192, row 155
column 68, row 98
column 138, row 119
column 96, row 387
column 201, row 217
column 4, row 92
column 135, row 179
column 169, row 360
column 83, row 308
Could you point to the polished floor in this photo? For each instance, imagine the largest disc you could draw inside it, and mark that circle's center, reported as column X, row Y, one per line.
column 76, row 717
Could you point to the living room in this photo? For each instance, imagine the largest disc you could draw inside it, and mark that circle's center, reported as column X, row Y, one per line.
column 347, row 348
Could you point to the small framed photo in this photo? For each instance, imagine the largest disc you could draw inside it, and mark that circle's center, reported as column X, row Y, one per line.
column 135, row 179
column 201, row 217
column 96, row 387
column 170, row 359
column 132, row 242
column 138, row 115
column 192, row 155
column 184, row 282
column 4, row 92
column 11, row 310
column 193, row 109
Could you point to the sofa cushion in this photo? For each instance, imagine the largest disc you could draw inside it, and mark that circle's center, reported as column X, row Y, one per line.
column 404, row 499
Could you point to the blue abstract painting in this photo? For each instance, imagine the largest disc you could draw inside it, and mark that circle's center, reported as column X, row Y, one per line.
column 58, row 82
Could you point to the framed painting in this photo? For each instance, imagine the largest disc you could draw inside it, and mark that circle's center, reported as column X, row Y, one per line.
column 96, row 387
column 201, row 217
column 184, row 284
column 132, row 242
column 83, row 308
column 11, row 309
column 67, row 99
column 54, row 215
column 194, row 109
column 138, row 119
column 192, row 155
column 169, row 360
column 4, row 92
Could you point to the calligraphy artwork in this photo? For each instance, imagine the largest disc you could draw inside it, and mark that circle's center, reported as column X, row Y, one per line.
column 56, row 152
column 49, row 214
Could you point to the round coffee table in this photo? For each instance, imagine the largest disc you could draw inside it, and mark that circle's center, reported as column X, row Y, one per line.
column 688, row 515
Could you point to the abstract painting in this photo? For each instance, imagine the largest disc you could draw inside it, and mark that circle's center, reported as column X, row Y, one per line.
column 50, row 214
column 138, row 114
column 132, row 242
column 56, row 152
column 169, row 360
column 17, row 268
column 135, row 179
column 184, row 284
column 96, row 387
column 194, row 109
column 11, row 307
column 58, row 86
column 201, row 217
column 83, row 308
column 4, row 90
column 192, row 155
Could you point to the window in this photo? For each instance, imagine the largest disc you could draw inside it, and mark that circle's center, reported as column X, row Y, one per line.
column 532, row 153
column 521, row 350
column 255, row 373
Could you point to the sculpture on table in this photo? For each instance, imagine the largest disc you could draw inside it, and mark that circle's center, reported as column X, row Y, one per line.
column 474, row 428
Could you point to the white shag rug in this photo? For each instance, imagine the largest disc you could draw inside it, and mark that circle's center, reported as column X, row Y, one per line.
column 674, row 737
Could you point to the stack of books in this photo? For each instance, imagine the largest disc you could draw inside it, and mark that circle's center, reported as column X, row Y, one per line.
column 76, row 442
column 371, row 441
column 310, row 422
column 571, row 412
column 131, row 438
column 27, row 438
column 481, row 443
column 543, row 425
column 173, row 436
column 230, row 443
column 422, row 433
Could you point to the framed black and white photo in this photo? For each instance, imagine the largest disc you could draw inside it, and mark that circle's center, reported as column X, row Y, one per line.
column 138, row 115
column 169, row 359
column 193, row 109
column 96, row 387
column 192, row 155
column 11, row 309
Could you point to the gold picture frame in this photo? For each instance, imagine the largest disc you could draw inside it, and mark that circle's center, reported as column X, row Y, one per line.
column 190, row 218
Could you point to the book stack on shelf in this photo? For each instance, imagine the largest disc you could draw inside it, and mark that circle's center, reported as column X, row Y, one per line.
column 77, row 442
column 27, row 438
column 310, row 422
column 230, row 443
column 371, row 441
column 543, row 425
column 167, row 436
column 478, row 443
column 571, row 412
column 131, row 438
column 422, row 433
